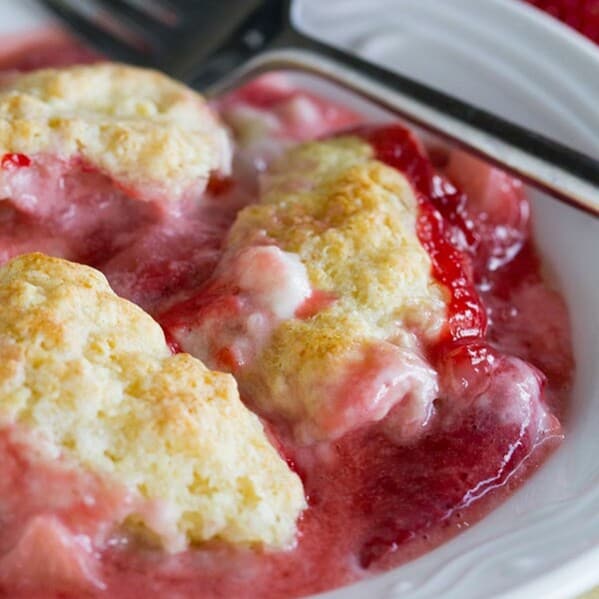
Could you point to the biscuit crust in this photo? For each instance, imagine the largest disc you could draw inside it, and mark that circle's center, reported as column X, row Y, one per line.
column 138, row 126
column 352, row 222
column 92, row 375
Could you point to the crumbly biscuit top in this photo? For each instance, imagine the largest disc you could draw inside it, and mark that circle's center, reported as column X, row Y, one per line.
column 352, row 221
column 136, row 125
column 92, row 374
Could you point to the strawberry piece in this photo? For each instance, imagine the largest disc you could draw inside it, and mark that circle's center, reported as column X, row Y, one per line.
column 11, row 160
column 582, row 15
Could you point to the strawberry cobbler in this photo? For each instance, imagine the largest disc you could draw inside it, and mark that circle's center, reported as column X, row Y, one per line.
column 256, row 349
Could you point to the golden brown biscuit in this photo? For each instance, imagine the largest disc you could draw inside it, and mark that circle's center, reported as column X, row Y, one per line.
column 138, row 126
column 92, row 374
column 350, row 222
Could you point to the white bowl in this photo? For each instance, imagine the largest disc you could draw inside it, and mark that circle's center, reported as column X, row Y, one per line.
column 509, row 58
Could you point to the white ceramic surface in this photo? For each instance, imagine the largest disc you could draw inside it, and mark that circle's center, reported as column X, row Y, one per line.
column 500, row 54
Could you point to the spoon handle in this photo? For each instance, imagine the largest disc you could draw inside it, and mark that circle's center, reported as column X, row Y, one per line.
column 562, row 172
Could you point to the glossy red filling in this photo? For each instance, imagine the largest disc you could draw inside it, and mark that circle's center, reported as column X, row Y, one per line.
column 441, row 207
column 375, row 501
column 10, row 161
